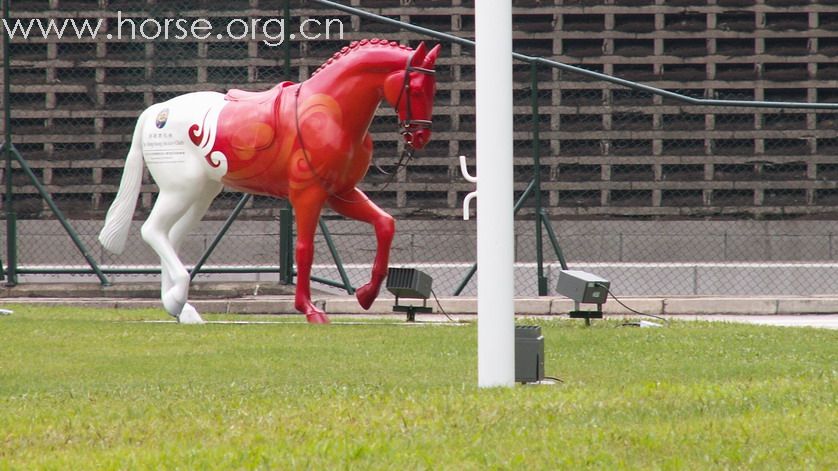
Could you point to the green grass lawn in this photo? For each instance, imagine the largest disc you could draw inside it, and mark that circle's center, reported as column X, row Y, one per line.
column 83, row 388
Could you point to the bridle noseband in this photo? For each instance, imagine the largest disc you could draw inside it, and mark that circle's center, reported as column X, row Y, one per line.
column 409, row 125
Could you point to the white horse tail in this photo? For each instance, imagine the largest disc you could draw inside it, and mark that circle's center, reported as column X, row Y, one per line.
column 118, row 220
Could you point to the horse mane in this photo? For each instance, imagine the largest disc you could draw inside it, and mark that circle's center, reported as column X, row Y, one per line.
column 357, row 45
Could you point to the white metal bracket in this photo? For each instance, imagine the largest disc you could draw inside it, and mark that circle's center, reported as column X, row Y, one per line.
column 473, row 194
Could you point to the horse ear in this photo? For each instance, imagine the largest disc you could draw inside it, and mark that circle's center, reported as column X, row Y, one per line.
column 419, row 55
column 430, row 59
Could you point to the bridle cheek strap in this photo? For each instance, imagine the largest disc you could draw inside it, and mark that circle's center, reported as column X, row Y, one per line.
column 409, row 125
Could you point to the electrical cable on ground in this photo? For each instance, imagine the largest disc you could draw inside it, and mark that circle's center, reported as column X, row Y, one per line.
column 630, row 309
column 440, row 307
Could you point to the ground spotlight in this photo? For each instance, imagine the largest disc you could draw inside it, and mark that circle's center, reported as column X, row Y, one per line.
column 583, row 287
column 411, row 284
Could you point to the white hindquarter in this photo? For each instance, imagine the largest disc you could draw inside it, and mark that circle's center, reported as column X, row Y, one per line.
column 168, row 150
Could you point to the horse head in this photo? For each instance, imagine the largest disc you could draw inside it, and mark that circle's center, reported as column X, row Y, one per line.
column 411, row 93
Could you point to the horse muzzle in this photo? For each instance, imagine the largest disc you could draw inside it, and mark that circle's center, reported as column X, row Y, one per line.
column 416, row 133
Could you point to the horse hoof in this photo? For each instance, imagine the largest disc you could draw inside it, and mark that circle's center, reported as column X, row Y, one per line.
column 317, row 318
column 366, row 295
column 189, row 315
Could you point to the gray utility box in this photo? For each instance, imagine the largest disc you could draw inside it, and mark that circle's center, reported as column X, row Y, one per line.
column 529, row 354
column 583, row 287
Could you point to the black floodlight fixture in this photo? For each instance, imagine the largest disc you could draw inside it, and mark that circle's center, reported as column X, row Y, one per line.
column 583, row 287
column 410, row 283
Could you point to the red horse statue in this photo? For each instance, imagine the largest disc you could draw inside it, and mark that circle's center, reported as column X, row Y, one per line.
column 308, row 142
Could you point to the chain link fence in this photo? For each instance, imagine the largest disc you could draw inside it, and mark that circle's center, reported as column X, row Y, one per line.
column 661, row 197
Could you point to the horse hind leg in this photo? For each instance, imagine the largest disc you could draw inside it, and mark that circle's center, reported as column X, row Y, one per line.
column 355, row 204
column 178, row 233
column 169, row 208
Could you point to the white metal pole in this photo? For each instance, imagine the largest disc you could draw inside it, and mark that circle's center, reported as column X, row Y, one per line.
column 495, row 249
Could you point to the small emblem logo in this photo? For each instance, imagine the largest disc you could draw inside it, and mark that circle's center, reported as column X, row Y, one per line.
column 162, row 116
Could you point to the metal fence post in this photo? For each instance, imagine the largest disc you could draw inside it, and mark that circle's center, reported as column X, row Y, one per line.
column 286, row 244
column 8, row 202
column 286, row 213
column 536, row 122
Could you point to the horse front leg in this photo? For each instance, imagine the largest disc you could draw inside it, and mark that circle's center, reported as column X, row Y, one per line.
column 355, row 204
column 307, row 206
